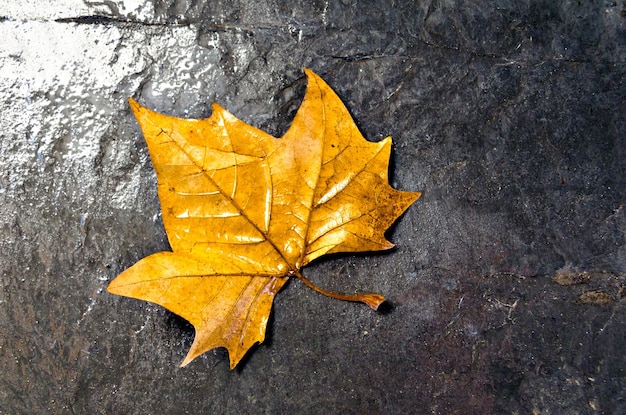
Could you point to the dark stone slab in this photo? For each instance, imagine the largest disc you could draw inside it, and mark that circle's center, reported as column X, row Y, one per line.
column 508, row 279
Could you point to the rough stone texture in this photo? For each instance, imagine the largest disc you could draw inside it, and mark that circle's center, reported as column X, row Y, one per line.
column 509, row 115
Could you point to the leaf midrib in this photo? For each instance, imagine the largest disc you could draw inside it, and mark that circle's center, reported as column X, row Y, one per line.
column 291, row 267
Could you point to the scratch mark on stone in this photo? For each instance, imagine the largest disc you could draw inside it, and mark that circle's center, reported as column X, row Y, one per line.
column 143, row 326
column 608, row 321
column 92, row 302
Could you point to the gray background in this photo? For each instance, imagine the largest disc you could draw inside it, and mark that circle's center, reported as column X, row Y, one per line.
column 510, row 116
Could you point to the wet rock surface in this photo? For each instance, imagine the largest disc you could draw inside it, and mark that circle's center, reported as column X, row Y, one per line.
column 509, row 273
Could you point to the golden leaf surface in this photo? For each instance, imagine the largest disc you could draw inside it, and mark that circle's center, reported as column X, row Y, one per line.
column 244, row 211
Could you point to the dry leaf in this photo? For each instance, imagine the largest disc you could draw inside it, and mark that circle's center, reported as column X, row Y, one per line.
column 244, row 211
column 572, row 278
column 595, row 297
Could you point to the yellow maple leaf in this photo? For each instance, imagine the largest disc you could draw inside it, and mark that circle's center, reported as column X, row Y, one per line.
column 244, row 211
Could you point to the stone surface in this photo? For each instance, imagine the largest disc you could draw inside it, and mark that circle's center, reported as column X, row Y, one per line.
column 509, row 115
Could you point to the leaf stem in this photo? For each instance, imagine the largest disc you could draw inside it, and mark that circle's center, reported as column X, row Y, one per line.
column 372, row 300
